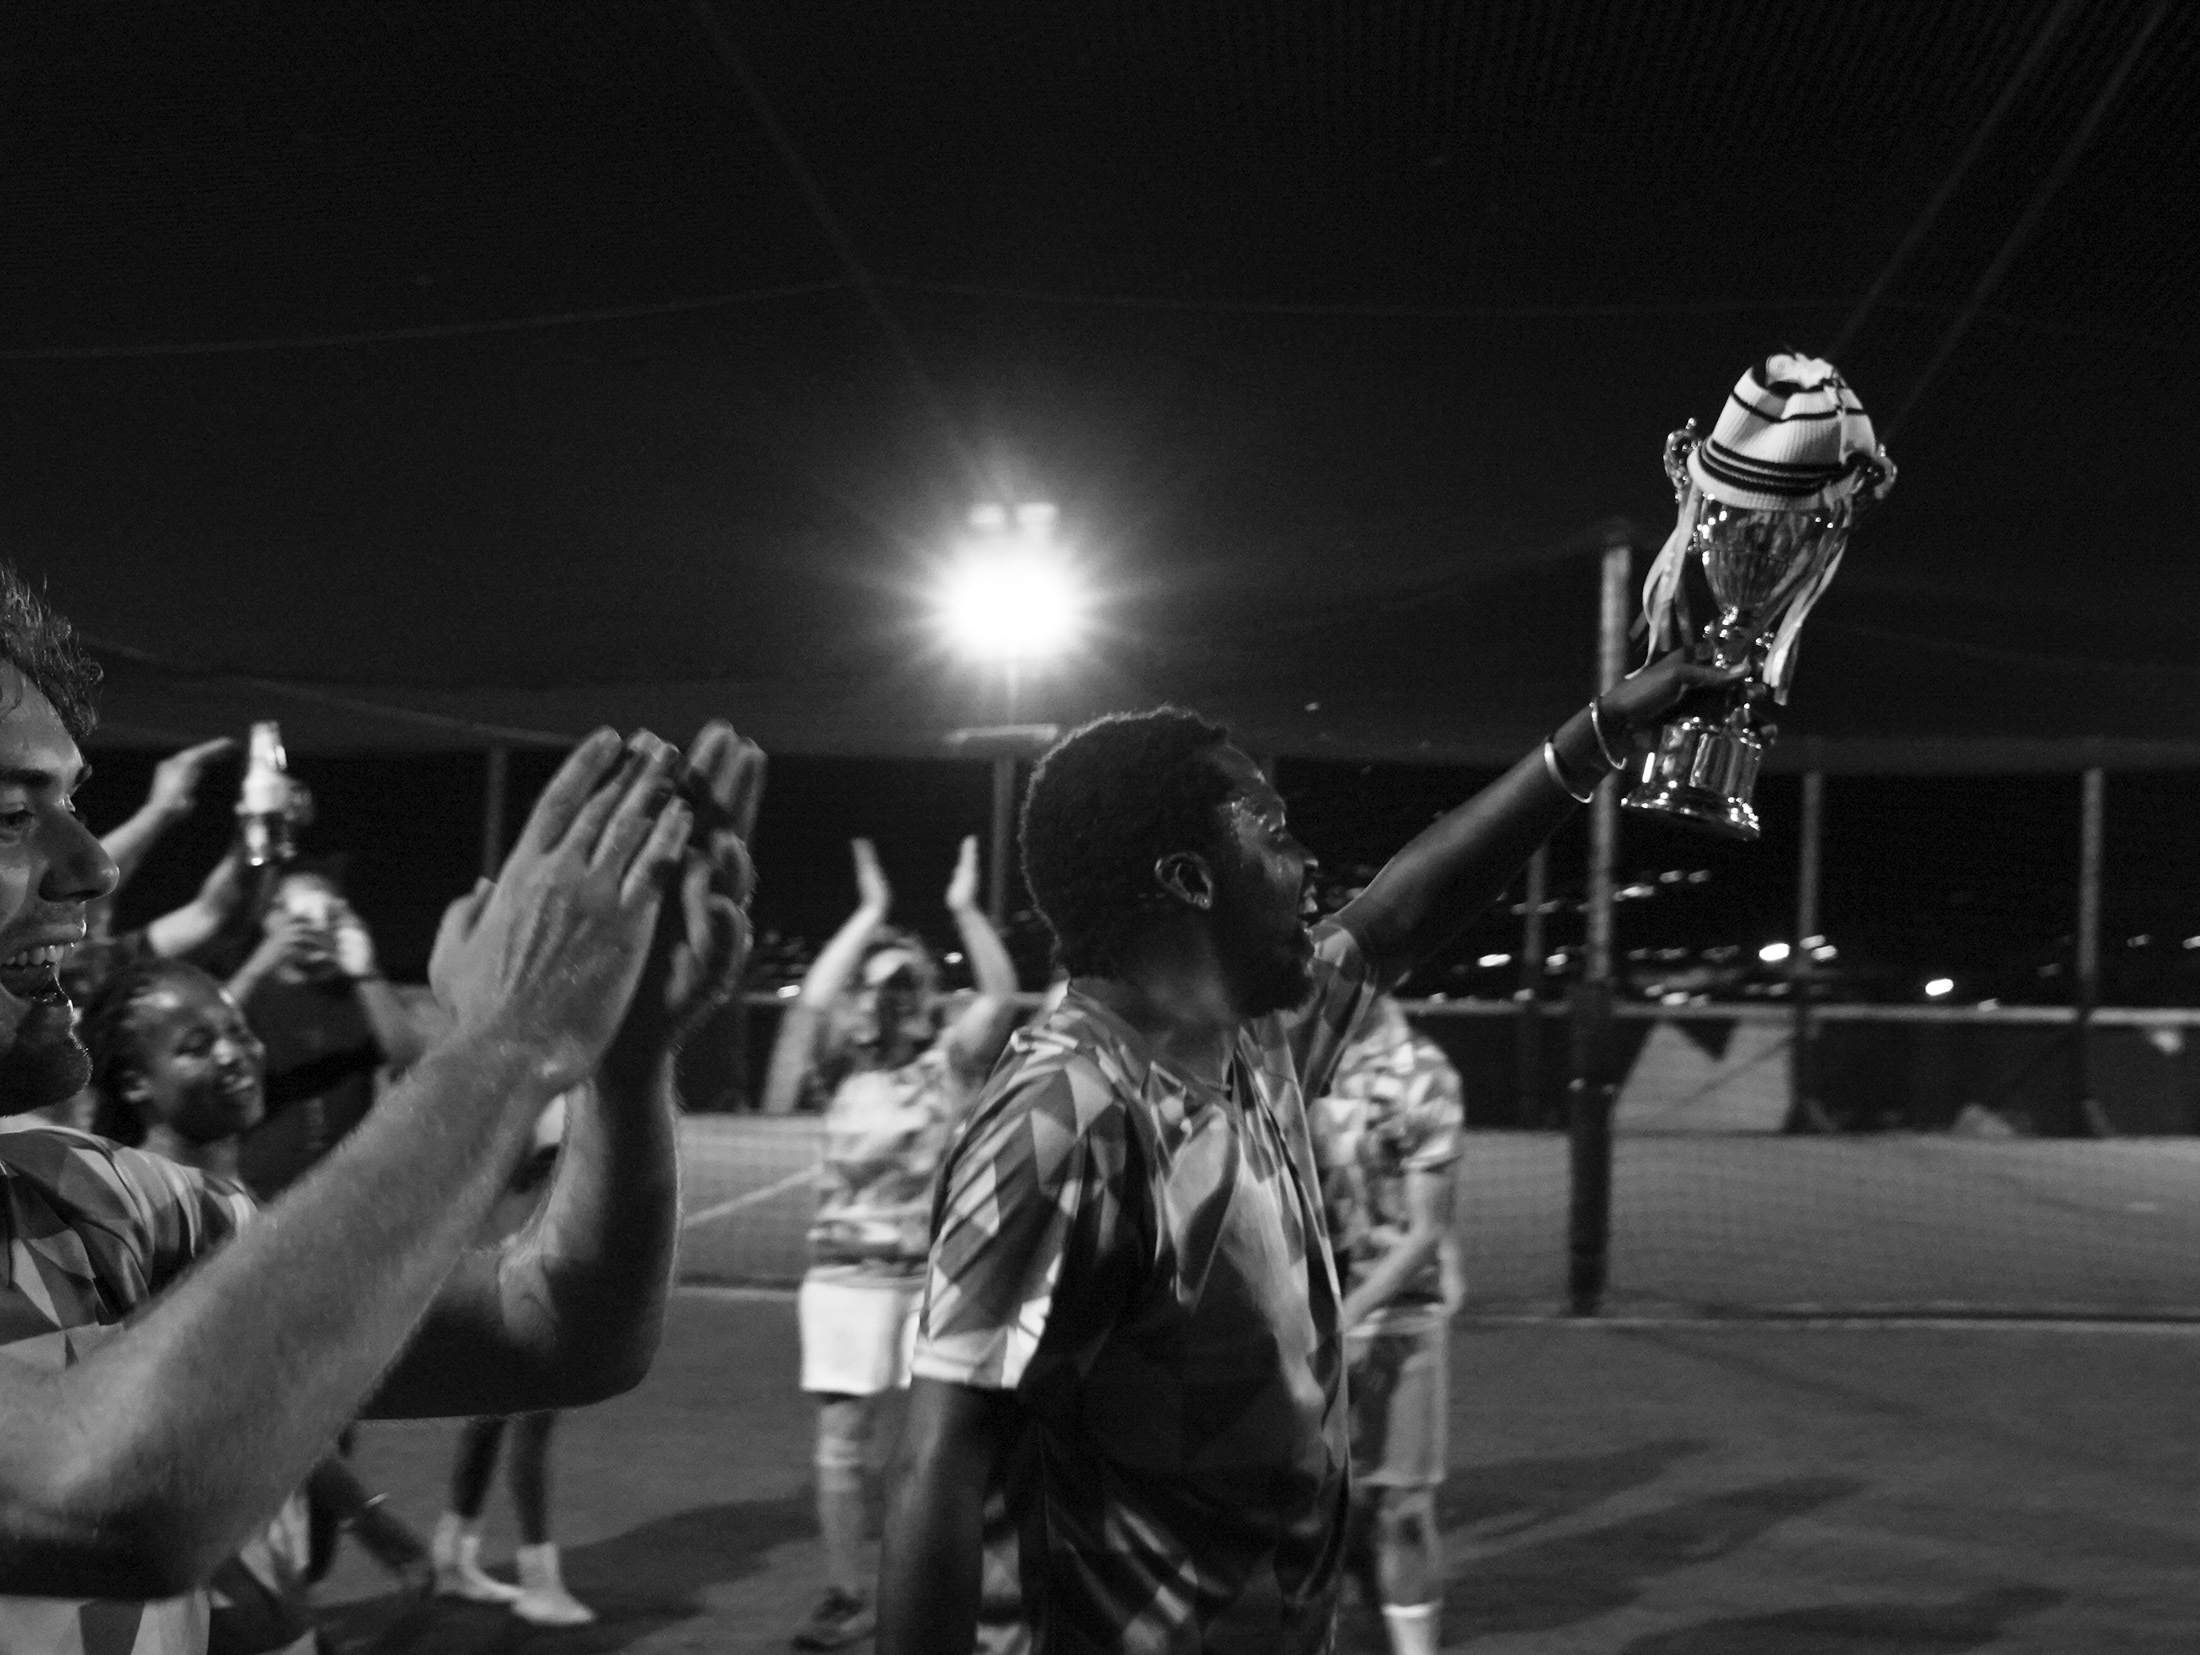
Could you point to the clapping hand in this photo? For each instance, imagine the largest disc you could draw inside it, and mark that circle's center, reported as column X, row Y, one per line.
column 549, row 956
column 873, row 894
column 962, row 889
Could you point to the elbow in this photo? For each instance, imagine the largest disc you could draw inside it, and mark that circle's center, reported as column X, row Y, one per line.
column 99, row 1532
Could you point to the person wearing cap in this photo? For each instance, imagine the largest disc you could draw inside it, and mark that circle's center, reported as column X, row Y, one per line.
column 897, row 1083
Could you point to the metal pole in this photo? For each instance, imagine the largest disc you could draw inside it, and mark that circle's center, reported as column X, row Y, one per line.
column 1804, row 1113
column 1004, row 821
column 1529, row 1039
column 493, row 780
column 1594, row 1088
column 2086, row 1116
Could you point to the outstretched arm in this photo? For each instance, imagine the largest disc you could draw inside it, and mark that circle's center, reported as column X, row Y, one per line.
column 569, row 1310
column 1462, row 863
column 983, row 1028
column 133, row 1472
column 200, row 920
column 933, row 1560
column 796, row 1047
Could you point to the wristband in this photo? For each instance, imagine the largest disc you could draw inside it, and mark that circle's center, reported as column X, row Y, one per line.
column 1596, row 723
column 1558, row 776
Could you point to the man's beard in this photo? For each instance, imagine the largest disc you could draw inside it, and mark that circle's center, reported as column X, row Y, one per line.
column 44, row 1064
column 1267, row 972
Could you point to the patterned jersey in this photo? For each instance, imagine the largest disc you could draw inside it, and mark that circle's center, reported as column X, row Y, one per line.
column 885, row 1132
column 1395, row 1108
column 1139, row 1257
column 92, row 1232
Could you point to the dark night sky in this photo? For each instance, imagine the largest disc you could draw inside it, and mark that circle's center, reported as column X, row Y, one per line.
column 419, row 374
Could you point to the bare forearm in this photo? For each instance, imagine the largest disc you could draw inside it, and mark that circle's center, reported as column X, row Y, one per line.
column 1397, row 1268
column 391, row 1022
column 932, row 1564
column 836, row 962
column 128, row 844
column 1462, row 863
column 174, row 1438
column 990, row 967
column 570, row 1310
column 790, row 1058
column 182, row 929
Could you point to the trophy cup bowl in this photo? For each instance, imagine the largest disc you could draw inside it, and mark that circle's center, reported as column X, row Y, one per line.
column 1766, row 504
column 1702, row 772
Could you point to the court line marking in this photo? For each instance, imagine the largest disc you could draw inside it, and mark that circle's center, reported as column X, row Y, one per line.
column 754, row 1198
column 1691, row 1324
column 1760, row 1324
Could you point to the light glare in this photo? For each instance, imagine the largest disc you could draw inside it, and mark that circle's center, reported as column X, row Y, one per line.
column 1012, row 605
column 1940, row 986
column 1773, row 953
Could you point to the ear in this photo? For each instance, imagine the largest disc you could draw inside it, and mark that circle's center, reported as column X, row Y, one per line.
column 1186, row 876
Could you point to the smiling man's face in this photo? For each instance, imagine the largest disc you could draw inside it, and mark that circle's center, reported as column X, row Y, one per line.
column 51, row 870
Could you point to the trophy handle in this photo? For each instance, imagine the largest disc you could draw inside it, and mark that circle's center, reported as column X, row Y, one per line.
column 1678, row 446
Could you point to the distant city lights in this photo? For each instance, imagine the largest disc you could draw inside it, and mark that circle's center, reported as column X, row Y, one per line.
column 1490, row 962
column 1773, row 953
column 1939, row 988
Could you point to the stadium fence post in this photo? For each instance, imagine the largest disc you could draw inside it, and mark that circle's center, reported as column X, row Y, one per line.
column 1591, row 1091
column 1805, row 1114
column 2087, row 1120
column 1528, row 1049
column 494, row 776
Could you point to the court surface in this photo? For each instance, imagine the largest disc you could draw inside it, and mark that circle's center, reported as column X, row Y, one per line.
column 1651, row 1486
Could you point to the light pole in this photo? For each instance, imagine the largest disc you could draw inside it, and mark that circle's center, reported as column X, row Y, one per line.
column 1011, row 599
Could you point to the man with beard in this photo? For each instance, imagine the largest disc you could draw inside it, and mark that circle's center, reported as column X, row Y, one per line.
column 152, row 1414
column 1127, row 1429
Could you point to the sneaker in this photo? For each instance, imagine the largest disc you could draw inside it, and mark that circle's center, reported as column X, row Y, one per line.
column 838, row 1621
column 543, row 1599
column 465, row 1578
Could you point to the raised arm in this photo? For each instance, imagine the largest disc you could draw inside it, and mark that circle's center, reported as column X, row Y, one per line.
column 200, row 920
column 983, row 1028
column 796, row 1047
column 167, row 802
column 933, row 1560
column 137, row 1469
column 569, row 1310
column 1462, row 863
column 396, row 1030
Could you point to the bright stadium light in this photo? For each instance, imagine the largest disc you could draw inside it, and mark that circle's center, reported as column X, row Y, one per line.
column 1773, row 953
column 1012, row 595
column 1939, row 988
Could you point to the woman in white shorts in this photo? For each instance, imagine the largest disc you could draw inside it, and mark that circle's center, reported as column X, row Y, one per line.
column 865, row 1036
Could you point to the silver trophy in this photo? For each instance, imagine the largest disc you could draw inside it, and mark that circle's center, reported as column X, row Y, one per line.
column 1765, row 565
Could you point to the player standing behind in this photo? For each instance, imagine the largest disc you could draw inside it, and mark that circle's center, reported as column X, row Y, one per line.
column 1388, row 1137
column 898, row 1088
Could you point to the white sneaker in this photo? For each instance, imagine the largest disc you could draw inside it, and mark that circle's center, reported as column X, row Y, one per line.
column 543, row 1599
column 456, row 1551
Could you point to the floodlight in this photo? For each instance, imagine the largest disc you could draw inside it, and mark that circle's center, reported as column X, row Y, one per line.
column 1940, row 988
column 1773, row 953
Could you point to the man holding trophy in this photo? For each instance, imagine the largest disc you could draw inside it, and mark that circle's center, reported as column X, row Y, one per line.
column 1766, row 503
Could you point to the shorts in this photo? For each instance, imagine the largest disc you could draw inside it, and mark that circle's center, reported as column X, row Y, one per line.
column 1400, row 1389
column 857, row 1336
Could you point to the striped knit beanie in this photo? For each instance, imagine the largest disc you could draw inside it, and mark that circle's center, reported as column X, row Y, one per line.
column 1792, row 437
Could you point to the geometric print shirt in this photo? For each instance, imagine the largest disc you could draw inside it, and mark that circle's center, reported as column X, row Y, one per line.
column 89, row 1233
column 1394, row 1109
column 885, row 1131
column 1139, row 1258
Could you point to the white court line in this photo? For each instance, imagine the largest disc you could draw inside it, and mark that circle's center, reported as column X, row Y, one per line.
column 754, row 1198
column 1762, row 1324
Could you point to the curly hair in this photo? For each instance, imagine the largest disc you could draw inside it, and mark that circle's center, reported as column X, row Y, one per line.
column 1105, row 805
column 105, row 1030
column 43, row 647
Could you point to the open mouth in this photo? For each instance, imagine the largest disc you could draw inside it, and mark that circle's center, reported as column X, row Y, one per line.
column 34, row 974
